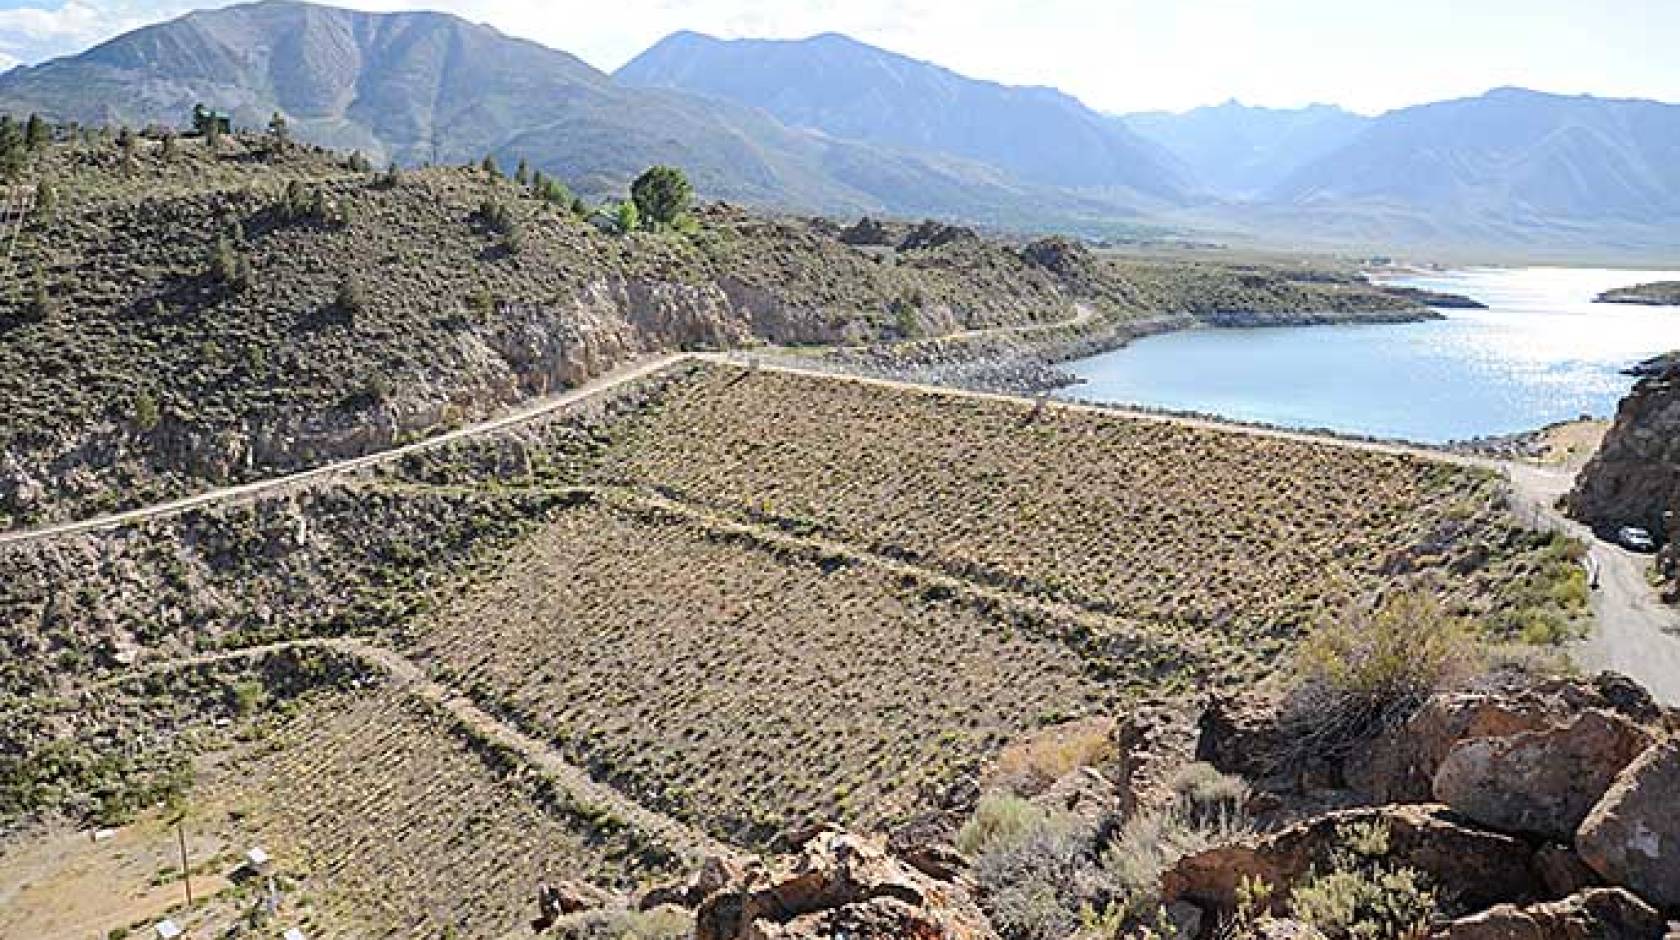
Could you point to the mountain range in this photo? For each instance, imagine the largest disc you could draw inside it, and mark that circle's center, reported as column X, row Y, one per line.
column 832, row 125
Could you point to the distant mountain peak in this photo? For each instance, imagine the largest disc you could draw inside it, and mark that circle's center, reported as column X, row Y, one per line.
column 851, row 90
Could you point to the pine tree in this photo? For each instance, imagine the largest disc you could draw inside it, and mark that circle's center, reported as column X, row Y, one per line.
column 488, row 165
column 522, row 175
column 36, row 133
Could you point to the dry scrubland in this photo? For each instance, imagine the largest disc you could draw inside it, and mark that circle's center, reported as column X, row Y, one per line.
column 742, row 598
column 741, row 686
column 181, row 317
column 396, row 821
column 1183, row 527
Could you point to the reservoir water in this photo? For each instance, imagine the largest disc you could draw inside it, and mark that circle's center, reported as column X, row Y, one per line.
column 1541, row 352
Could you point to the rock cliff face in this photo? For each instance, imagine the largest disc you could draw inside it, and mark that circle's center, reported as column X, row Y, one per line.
column 1635, row 478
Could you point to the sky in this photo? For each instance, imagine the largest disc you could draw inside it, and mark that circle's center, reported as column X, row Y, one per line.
column 1116, row 55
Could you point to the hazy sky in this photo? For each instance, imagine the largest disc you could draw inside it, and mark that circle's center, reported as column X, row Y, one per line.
column 1117, row 55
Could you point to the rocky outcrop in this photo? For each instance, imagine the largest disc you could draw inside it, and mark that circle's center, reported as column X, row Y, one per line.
column 841, row 885
column 1484, row 868
column 1635, row 477
column 1632, row 837
column 1598, row 914
column 1541, row 782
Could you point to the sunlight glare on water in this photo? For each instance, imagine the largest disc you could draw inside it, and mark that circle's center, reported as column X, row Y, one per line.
column 1542, row 352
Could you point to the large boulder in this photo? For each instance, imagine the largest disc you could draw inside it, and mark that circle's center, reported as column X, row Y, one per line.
column 1596, row 914
column 841, row 885
column 1632, row 837
column 1484, row 868
column 1399, row 766
column 1541, row 782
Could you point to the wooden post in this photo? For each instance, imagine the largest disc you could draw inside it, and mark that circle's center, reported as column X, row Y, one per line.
column 186, row 871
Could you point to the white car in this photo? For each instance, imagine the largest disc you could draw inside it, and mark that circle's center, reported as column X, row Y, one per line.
column 1636, row 539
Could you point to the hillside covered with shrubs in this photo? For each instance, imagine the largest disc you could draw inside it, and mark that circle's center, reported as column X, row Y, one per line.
column 186, row 310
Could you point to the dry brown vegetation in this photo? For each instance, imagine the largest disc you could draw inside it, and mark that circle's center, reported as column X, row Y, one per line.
column 742, row 688
column 395, row 821
column 1187, row 528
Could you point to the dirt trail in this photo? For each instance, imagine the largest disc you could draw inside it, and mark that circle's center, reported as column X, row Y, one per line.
column 579, row 788
column 529, row 411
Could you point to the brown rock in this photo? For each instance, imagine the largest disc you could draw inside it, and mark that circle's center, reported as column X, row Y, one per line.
column 1241, row 736
column 1539, row 782
column 1562, row 872
column 1632, row 837
column 938, row 861
column 1399, row 766
column 1597, row 914
column 1484, row 868
column 841, row 884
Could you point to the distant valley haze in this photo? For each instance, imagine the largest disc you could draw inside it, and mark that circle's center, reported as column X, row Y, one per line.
column 1531, row 130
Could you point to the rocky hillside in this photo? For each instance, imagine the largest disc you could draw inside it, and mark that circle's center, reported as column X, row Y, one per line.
column 1635, row 477
column 184, row 316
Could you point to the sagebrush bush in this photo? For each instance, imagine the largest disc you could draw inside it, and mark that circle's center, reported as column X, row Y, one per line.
column 1372, row 669
column 1206, row 796
column 999, row 821
column 1046, row 884
column 1153, row 841
column 663, row 923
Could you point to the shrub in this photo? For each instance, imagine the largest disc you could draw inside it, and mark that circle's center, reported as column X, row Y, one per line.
column 1152, row 842
column 351, row 299
column 1361, row 896
column 1372, row 670
column 628, row 218
column 1000, row 820
column 488, row 165
column 1207, row 797
column 1044, row 884
column 659, row 924
column 661, row 196
column 146, row 412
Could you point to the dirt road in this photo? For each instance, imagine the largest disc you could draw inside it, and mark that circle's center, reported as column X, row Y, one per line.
column 1636, row 634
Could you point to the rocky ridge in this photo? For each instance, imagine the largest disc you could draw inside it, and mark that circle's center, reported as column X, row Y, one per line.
column 1634, row 479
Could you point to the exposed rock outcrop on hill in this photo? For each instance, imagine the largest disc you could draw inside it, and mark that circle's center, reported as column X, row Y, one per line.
column 1635, row 477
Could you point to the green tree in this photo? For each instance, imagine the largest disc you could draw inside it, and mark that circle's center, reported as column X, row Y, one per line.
column 36, row 132
column 228, row 266
column 629, row 217
column 46, row 200
column 661, row 195
column 351, row 299
column 392, row 177
column 522, row 175
column 171, row 147
column 41, row 306
column 13, row 151
column 358, row 163
column 488, row 165
column 146, row 412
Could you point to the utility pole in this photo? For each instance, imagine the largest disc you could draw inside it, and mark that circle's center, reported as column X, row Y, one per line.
column 186, row 870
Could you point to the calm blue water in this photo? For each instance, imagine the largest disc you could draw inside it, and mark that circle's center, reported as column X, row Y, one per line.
column 1542, row 352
